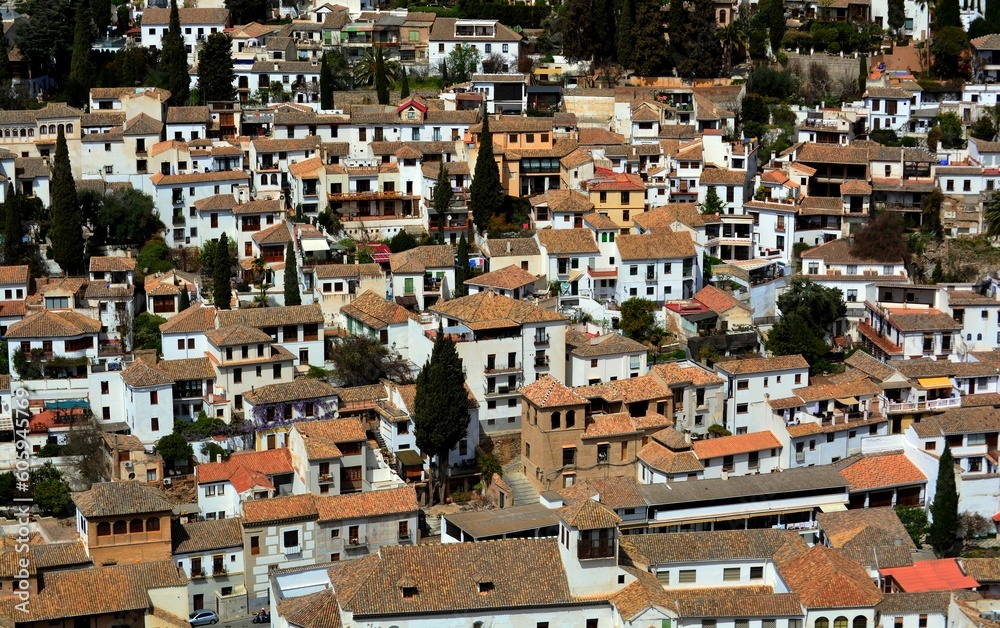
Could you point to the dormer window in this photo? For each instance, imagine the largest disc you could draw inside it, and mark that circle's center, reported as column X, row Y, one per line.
column 485, row 587
column 409, row 592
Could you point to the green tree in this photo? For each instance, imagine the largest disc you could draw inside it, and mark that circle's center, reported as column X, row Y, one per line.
column 462, row 269
column 949, row 44
column 808, row 311
column 47, row 38
column 882, row 239
column 691, row 28
column 20, row 363
column 948, row 14
column 153, row 257
column 365, row 69
column 991, row 216
column 51, row 495
column 146, row 331
column 712, row 204
column 441, row 199
column 402, row 241
column 775, row 12
column 637, row 318
column 862, row 74
column 575, row 22
column 931, row 213
column 441, row 406
column 101, row 10
column 363, row 360
column 624, row 35
column 944, row 510
column 897, row 14
column 488, row 467
column 8, row 489
column 246, row 11
column 126, row 216
column 222, row 275
column 463, row 62
column 951, row 129
column 754, row 115
column 184, row 301
column 13, row 228
column 5, row 73
column 216, row 77
column 381, row 80
column 292, row 295
column 66, row 233
column 325, row 83
column 173, row 60
column 175, row 450
column 650, row 50
column 404, row 84
column 485, row 193
column 81, row 74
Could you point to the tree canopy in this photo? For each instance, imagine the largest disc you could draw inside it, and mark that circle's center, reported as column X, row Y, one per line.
column 363, row 360
column 126, row 216
column 292, row 294
column 944, row 510
column 637, row 318
column 441, row 199
column 463, row 62
column 66, row 233
column 691, row 25
column 485, row 193
column 712, row 204
column 882, row 240
column 175, row 450
column 216, row 77
column 81, row 74
column 462, row 269
column 173, row 60
column 441, row 406
column 808, row 311
column 222, row 275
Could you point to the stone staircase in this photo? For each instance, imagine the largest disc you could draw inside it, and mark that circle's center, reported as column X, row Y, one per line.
column 524, row 492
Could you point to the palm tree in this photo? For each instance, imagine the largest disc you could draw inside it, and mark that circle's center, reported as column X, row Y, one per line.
column 991, row 217
column 364, row 68
column 729, row 38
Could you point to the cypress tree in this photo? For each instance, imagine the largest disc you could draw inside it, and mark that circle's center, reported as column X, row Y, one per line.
column 441, row 199
column 381, row 80
column 604, row 35
column 173, row 60
column 66, row 233
column 185, row 300
column 81, row 69
column 444, row 73
column 13, row 229
column 485, row 192
column 462, row 271
column 292, row 296
column 215, row 69
column 944, row 510
column 948, row 14
column 404, row 84
column 862, row 74
column 650, row 50
column 5, row 74
column 222, row 275
column 624, row 37
column 441, row 406
column 776, row 24
column 325, row 83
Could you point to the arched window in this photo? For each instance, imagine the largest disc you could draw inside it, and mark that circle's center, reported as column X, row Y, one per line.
column 822, row 622
column 152, row 524
column 31, row 132
column 571, row 418
column 840, row 622
column 979, row 336
column 43, row 130
column 6, row 132
column 860, row 622
column 69, row 128
column 24, row 133
column 555, row 420
column 62, row 127
column 274, row 179
column 52, row 129
column 263, row 179
column 103, row 529
column 135, row 526
column 968, row 336
column 121, row 527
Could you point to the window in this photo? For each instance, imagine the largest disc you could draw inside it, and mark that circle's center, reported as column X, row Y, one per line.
column 154, row 397
column 922, row 621
column 743, row 384
column 731, row 574
column 687, row 576
column 753, row 460
column 105, row 388
column 276, row 371
column 840, row 622
column 154, row 424
column 290, row 538
column 798, row 378
column 602, row 453
column 756, row 573
column 742, row 408
column 237, row 376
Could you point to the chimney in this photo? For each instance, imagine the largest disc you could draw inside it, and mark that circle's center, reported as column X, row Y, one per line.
column 687, row 437
column 724, row 476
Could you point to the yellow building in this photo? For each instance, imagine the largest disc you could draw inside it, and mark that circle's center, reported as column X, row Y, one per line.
column 620, row 197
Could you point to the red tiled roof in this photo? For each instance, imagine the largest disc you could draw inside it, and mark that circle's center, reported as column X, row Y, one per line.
column 931, row 575
column 881, row 470
column 732, row 445
column 246, row 469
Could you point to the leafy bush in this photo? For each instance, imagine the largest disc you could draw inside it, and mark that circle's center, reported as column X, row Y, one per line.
column 833, row 48
column 914, row 519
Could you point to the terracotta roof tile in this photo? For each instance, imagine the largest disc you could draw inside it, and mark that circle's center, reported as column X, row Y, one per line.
column 197, row 318
column 604, row 425
column 727, row 545
column 233, row 335
column 958, row 421
column 423, row 257
column 915, row 603
column 567, row 241
column 853, row 528
column 655, row 246
column 882, row 470
column 487, row 306
column 867, row 364
column 377, row 312
column 668, row 461
column 907, row 320
column 321, row 437
column 53, row 324
column 775, row 605
column 111, row 264
column 838, row 252
column 300, row 389
column 141, row 374
column 111, row 499
column 511, row 247
column 247, row 469
column 343, row 271
column 984, row 570
column 822, row 578
column 547, row 392
column 752, row 366
column 393, row 501
column 608, row 344
column 563, row 201
column 14, row 274
column 736, row 444
column 587, row 514
column 187, row 369
column 506, row 278
column 272, row 316
column 313, row 610
column 201, row 536
column 258, row 512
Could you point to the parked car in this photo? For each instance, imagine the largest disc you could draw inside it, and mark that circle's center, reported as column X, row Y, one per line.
column 202, row 617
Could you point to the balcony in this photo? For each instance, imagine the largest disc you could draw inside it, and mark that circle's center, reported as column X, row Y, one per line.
column 294, row 551
column 365, row 196
column 508, row 368
column 357, row 542
column 542, row 362
column 541, row 339
column 499, row 391
column 922, row 406
column 587, row 549
column 326, row 479
column 178, row 221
